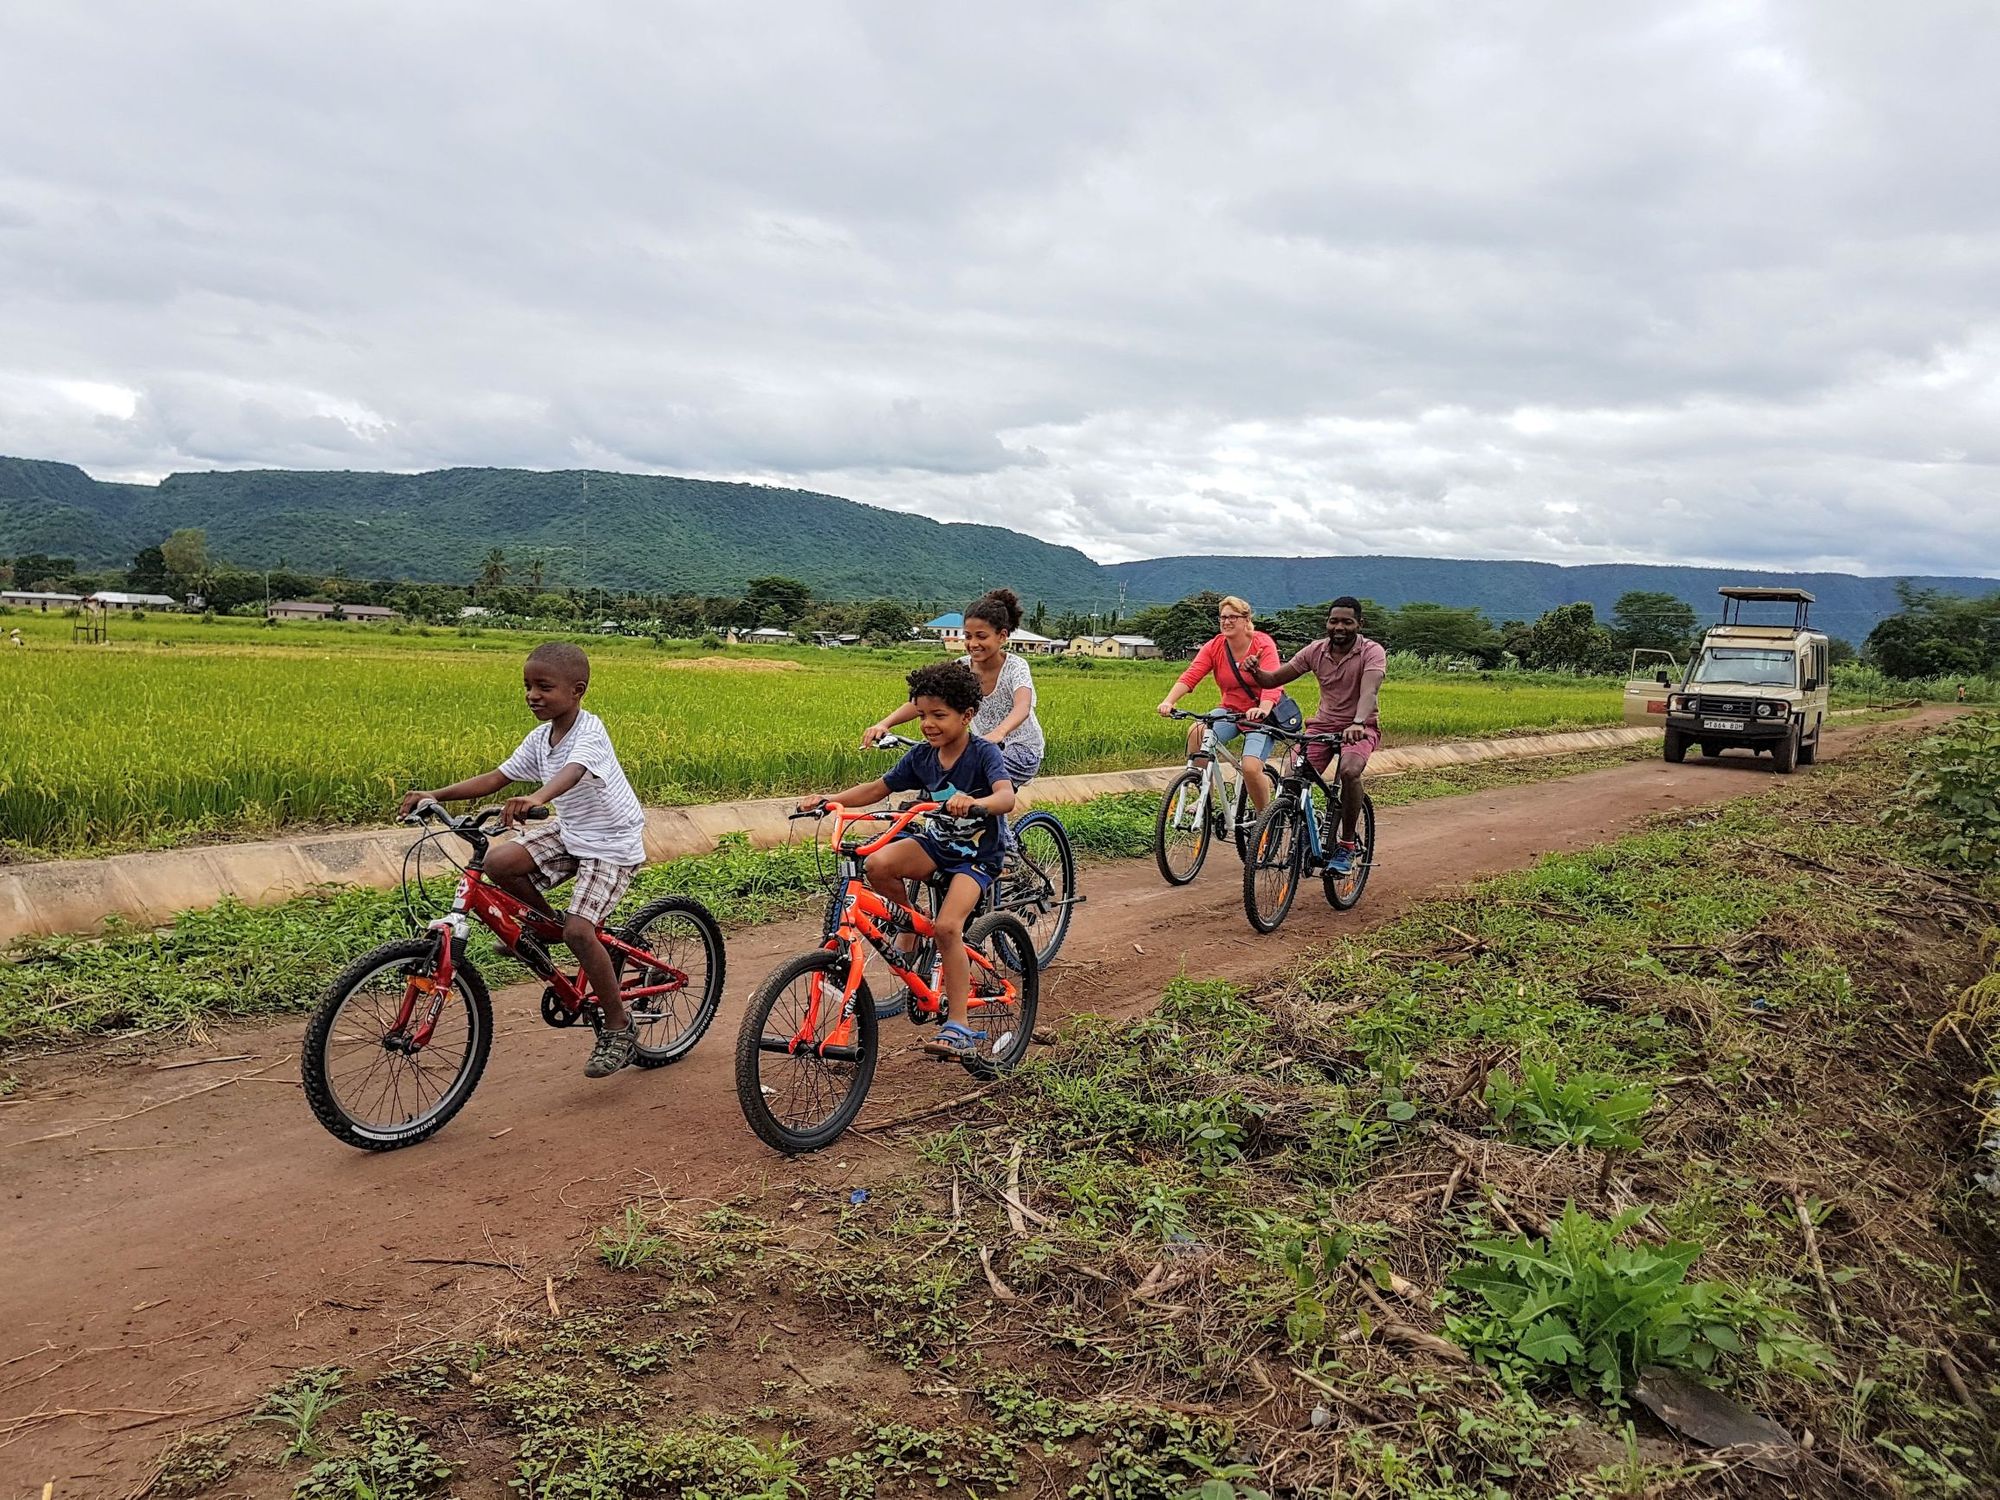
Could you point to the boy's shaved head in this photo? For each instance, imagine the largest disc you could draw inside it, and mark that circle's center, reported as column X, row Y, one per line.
column 566, row 661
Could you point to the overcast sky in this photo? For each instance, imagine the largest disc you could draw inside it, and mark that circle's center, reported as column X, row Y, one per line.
column 1577, row 282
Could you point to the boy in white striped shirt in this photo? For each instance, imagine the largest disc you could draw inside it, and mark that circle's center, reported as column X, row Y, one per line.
column 598, row 836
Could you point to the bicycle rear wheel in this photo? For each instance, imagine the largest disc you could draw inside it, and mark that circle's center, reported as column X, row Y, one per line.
column 1271, row 872
column 802, row 1069
column 681, row 936
column 1342, row 891
column 364, row 1081
column 1182, row 830
column 1039, row 881
column 1009, row 1022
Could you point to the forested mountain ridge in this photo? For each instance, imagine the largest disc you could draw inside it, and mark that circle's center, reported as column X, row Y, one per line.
column 661, row 534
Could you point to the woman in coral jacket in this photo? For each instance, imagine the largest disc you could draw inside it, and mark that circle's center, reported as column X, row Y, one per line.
column 1240, row 641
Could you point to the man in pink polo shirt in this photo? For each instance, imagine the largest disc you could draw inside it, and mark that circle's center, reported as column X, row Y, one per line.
column 1350, row 669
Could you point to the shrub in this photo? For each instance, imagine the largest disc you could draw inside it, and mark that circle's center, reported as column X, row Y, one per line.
column 710, row 641
column 1953, row 793
column 1585, row 1109
column 1581, row 1307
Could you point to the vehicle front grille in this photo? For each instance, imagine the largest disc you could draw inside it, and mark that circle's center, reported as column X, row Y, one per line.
column 1734, row 708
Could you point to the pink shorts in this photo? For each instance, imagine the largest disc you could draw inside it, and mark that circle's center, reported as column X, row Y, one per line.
column 1353, row 756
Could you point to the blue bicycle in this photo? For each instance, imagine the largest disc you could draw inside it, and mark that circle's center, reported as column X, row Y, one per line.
column 1294, row 837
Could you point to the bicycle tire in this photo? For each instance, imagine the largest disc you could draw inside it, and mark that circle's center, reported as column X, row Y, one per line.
column 316, row 1066
column 716, row 962
column 1243, row 809
column 1004, row 938
column 1342, row 892
column 1042, row 883
column 1276, row 850
column 752, row 1047
column 1171, row 811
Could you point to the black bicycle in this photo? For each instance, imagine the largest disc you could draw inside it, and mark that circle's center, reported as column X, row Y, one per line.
column 1295, row 837
column 1037, row 885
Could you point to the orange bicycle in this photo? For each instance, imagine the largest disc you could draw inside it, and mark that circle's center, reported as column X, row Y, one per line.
column 811, row 1038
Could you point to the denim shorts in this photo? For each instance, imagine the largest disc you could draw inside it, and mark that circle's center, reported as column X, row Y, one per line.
column 1257, row 742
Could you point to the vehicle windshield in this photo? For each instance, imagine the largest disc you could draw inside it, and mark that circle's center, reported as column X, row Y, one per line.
column 1749, row 667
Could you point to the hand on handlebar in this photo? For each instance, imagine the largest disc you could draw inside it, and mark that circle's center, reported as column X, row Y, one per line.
column 412, row 800
column 962, row 806
column 873, row 735
column 811, row 807
column 518, row 810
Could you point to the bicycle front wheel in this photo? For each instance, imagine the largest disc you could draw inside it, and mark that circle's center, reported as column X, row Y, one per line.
column 1271, row 872
column 1182, row 830
column 1342, row 891
column 366, row 1079
column 1007, row 1020
column 802, row 1068
column 1040, row 881
column 686, row 963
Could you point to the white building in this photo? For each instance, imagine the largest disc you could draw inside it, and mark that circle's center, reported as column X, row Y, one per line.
column 113, row 601
column 36, row 600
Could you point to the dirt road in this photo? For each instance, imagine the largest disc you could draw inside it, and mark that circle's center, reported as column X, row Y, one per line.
column 174, row 1247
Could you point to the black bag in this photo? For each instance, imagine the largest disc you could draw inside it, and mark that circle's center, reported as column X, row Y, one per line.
column 1285, row 713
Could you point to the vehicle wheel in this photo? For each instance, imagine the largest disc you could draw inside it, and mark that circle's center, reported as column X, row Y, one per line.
column 1786, row 755
column 680, row 933
column 361, row 1085
column 1246, row 814
column 1809, row 749
column 1181, row 831
column 1271, row 871
column 1342, row 891
column 801, row 1096
column 1039, row 881
column 1009, row 1022
column 1675, row 747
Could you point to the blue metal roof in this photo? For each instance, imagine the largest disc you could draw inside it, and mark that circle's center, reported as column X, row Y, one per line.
column 945, row 622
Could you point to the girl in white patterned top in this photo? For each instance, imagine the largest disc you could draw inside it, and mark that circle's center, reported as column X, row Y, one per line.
column 1006, row 714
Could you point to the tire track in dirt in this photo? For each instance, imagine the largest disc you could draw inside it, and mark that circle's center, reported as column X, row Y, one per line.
column 184, row 1259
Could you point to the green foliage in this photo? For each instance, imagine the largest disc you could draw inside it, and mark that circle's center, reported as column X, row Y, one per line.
column 193, row 1464
column 632, row 1245
column 571, row 1460
column 1582, row 1109
column 1581, row 1307
column 295, row 1408
column 1953, row 792
column 390, row 1460
column 967, row 1459
column 1937, row 634
column 1569, row 639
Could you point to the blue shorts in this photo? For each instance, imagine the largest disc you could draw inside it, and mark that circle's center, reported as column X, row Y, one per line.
column 950, row 861
column 1257, row 742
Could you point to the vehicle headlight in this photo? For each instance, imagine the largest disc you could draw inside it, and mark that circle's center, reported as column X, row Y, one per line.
column 1767, row 710
column 1680, row 703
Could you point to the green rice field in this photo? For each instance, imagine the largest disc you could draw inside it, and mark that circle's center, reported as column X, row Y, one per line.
column 176, row 730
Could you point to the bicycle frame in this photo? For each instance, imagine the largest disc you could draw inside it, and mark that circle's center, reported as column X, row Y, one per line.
column 1215, row 786
column 1297, row 776
column 863, row 911
column 508, row 918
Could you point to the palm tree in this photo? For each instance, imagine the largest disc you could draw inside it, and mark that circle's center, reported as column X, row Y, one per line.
column 493, row 571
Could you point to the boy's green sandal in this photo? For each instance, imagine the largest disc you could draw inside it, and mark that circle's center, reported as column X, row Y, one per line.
column 613, row 1051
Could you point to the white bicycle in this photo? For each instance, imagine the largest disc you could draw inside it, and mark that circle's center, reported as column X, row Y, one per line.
column 1206, row 799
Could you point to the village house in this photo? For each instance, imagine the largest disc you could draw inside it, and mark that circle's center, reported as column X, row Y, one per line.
column 114, row 602
column 35, row 600
column 1130, row 647
column 310, row 609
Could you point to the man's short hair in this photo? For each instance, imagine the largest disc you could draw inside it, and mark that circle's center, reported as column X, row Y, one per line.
column 951, row 682
column 1346, row 601
column 565, row 660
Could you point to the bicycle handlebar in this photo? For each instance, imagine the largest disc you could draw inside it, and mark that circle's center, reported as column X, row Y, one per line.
column 474, row 827
column 895, row 742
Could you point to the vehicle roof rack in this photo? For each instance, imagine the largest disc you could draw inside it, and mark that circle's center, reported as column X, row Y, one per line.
column 1735, row 597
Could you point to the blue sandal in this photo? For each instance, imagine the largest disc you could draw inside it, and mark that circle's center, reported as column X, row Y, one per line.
column 955, row 1041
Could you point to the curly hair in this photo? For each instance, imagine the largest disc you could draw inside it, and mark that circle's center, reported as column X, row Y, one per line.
column 952, row 683
column 1000, row 608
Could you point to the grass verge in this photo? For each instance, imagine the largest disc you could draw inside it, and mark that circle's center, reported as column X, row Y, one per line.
column 1419, row 1224
column 232, row 961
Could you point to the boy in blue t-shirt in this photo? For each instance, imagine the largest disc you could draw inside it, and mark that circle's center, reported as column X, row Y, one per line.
column 965, row 773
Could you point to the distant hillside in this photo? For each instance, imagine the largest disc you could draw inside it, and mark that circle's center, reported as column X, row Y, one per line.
column 1848, row 605
column 646, row 532
column 660, row 534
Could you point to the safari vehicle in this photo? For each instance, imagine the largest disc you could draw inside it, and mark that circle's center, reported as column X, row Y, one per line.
column 1757, row 687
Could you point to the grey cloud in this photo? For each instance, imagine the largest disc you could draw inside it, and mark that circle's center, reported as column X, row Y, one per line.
column 1143, row 279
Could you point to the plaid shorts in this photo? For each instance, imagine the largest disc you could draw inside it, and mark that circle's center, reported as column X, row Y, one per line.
column 599, row 883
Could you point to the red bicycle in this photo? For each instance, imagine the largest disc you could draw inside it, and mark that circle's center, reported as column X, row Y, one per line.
column 811, row 1038
column 398, row 1044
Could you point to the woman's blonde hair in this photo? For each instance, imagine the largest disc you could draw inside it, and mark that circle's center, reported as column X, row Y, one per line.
column 1231, row 602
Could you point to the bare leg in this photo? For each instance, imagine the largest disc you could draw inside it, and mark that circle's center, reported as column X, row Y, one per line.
column 582, row 939
column 1258, row 784
column 510, row 867
column 887, row 872
column 1350, row 795
column 950, row 924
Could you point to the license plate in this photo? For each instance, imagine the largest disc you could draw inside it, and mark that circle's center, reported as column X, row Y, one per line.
column 1735, row 724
